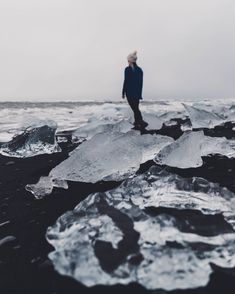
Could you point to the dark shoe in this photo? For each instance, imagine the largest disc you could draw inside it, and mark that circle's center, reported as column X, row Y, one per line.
column 137, row 125
column 140, row 125
column 144, row 123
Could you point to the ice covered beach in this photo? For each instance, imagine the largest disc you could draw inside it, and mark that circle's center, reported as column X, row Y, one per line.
column 88, row 204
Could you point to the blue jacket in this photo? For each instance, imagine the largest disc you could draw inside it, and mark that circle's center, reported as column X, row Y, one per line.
column 133, row 82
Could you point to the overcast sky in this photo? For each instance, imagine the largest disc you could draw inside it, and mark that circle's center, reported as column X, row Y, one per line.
column 76, row 49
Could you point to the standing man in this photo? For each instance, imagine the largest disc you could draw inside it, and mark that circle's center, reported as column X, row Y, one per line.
column 132, row 88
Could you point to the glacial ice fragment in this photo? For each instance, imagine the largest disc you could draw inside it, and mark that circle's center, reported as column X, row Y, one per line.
column 201, row 118
column 38, row 138
column 159, row 188
column 106, row 156
column 45, row 186
column 94, row 127
column 187, row 151
column 117, row 215
column 223, row 146
column 154, row 122
column 184, row 152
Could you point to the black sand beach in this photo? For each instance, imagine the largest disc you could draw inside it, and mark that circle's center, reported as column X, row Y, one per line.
column 24, row 265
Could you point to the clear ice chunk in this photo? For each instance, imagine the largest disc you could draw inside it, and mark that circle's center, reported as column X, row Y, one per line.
column 106, row 156
column 182, row 265
column 45, row 186
column 223, row 146
column 187, row 151
column 37, row 138
column 95, row 126
column 201, row 118
column 159, row 188
column 154, row 122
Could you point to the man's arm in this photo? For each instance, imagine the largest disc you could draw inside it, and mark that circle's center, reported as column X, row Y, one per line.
column 141, row 81
column 124, row 84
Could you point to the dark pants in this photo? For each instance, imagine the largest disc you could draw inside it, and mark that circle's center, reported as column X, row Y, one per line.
column 134, row 104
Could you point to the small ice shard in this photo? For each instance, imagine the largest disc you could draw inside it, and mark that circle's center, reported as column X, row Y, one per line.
column 39, row 138
column 171, row 115
column 106, row 156
column 185, row 152
column 170, row 123
column 45, row 186
column 187, row 126
column 89, row 240
column 154, row 122
column 201, row 118
column 7, row 240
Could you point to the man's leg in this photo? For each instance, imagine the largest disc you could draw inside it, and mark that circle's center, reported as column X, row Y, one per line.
column 134, row 104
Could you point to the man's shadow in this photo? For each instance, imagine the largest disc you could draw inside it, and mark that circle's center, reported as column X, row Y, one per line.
column 174, row 131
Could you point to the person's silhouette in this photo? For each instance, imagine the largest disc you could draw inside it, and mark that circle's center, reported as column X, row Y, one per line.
column 132, row 88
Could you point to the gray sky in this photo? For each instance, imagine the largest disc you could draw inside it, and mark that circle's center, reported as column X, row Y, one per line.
column 76, row 49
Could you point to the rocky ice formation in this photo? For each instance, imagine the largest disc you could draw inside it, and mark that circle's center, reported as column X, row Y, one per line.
column 187, row 151
column 201, row 118
column 106, row 156
column 36, row 138
column 123, row 235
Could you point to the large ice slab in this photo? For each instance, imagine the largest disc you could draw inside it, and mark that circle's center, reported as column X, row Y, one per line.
column 36, row 138
column 106, row 156
column 187, row 151
column 159, row 253
column 201, row 118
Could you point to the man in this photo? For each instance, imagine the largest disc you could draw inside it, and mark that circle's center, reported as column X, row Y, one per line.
column 132, row 88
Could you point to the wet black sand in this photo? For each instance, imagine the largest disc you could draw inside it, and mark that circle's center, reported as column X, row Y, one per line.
column 24, row 266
